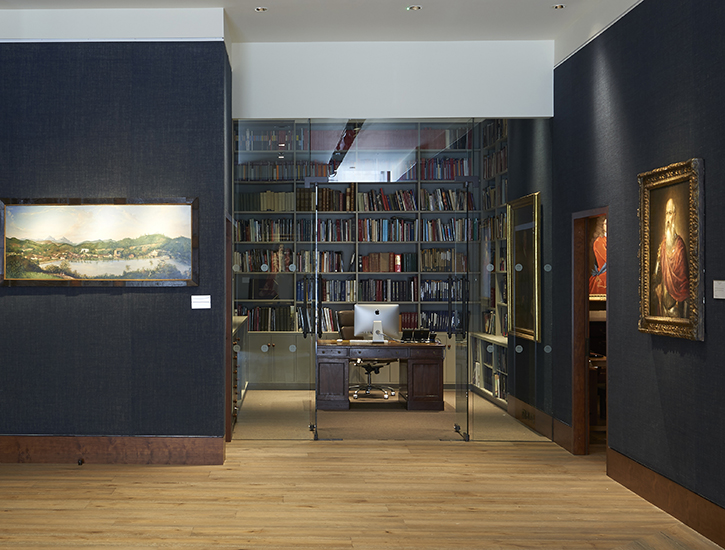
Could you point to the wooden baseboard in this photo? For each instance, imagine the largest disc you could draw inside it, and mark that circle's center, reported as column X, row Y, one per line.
column 112, row 450
column 691, row 509
column 563, row 435
column 531, row 416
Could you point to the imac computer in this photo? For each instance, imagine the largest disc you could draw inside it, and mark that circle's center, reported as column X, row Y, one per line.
column 380, row 320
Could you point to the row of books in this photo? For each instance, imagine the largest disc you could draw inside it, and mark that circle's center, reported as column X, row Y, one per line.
column 330, row 290
column 441, row 290
column 446, row 200
column 339, row 230
column 323, row 261
column 269, row 318
column 388, row 290
column 452, row 230
column 265, row 230
column 379, row 201
column 264, row 260
column 289, row 318
column 495, row 323
column 280, row 260
column 444, row 168
column 283, row 170
column 495, row 163
column 369, row 201
column 430, row 169
column 387, row 230
column 495, row 196
column 494, row 228
column 339, row 138
column 369, row 230
column 265, row 201
column 388, row 262
column 440, row 321
column 494, row 131
column 409, row 320
column 328, row 200
column 500, row 296
column 445, row 260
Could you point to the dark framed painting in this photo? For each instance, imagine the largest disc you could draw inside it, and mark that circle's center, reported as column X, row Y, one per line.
column 523, row 267
column 99, row 242
column 671, row 250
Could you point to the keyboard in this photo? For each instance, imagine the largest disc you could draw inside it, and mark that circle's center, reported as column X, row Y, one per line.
column 366, row 342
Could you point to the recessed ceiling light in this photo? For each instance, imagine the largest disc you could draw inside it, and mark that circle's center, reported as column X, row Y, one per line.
column 414, row 8
column 260, row 9
column 559, row 6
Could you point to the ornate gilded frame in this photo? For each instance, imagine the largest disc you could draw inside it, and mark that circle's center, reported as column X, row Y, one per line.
column 524, row 267
column 674, row 196
column 88, row 218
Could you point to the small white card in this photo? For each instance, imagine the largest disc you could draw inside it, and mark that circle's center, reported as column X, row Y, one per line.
column 718, row 290
column 201, row 302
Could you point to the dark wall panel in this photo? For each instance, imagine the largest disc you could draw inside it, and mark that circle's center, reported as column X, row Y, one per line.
column 96, row 120
column 530, row 157
column 645, row 94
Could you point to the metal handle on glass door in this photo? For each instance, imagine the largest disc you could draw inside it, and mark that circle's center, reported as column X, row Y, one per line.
column 303, row 317
column 319, row 308
column 450, row 306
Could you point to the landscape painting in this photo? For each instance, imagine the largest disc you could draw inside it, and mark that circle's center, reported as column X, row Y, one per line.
column 78, row 243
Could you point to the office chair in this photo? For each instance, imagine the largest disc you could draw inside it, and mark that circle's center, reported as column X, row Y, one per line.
column 346, row 326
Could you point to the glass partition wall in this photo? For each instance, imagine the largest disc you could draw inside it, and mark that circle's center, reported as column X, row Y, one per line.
column 330, row 213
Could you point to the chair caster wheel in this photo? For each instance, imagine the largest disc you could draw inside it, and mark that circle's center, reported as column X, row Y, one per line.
column 385, row 396
column 354, row 396
column 392, row 393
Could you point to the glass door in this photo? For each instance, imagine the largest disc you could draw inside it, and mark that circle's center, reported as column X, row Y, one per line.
column 464, row 298
column 312, row 261
column 270, row 270
column 449, row 213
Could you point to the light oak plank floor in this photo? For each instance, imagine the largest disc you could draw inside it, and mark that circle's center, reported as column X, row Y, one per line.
column 360, row 495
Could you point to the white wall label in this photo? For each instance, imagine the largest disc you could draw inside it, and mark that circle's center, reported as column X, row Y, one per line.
column 201, row 302
column 718, row 290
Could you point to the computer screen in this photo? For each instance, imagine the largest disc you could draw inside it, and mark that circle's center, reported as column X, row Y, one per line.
column 380, row 320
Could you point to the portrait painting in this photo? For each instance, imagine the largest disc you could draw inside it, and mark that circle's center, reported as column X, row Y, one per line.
column 671, row 245
column 523, row 269
column 597, row 229
column 119, row 242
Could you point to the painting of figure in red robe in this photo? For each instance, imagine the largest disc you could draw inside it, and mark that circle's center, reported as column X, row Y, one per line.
column 669, row 283
column 598, row 256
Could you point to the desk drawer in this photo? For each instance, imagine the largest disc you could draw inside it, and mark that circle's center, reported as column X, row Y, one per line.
column 332, row 352
column 426, row 352
column 379, row 353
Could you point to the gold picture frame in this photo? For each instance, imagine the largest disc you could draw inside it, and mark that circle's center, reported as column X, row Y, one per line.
column 99, row 242
column 671, row 250
column 523, row 267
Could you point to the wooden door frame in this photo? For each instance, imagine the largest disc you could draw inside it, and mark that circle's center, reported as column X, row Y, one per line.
column 580, row 329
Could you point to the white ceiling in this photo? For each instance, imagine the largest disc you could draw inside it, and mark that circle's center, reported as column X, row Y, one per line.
column 383, row 20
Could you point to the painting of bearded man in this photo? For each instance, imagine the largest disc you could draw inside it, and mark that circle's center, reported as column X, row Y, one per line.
column 671, row 260
column 670, row 281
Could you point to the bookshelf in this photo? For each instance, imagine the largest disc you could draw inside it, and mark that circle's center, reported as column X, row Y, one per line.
column 489, row 347
column 391, row 223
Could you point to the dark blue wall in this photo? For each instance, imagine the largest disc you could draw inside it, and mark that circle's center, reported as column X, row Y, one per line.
column 97, row 120
column 646, row 93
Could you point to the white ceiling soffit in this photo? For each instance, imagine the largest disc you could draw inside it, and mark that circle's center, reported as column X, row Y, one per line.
column 388, row 20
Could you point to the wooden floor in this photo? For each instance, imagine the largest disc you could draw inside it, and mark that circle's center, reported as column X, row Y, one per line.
column 338, row 494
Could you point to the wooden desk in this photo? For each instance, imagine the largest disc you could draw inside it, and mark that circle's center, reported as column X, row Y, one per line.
column 421, row 372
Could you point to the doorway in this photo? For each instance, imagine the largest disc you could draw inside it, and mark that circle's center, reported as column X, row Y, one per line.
column 589, row 330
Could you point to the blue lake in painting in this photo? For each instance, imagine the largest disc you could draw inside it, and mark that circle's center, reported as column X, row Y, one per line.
column 96, row 268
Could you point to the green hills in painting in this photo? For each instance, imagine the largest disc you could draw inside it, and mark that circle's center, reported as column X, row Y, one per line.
column 51, row 258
